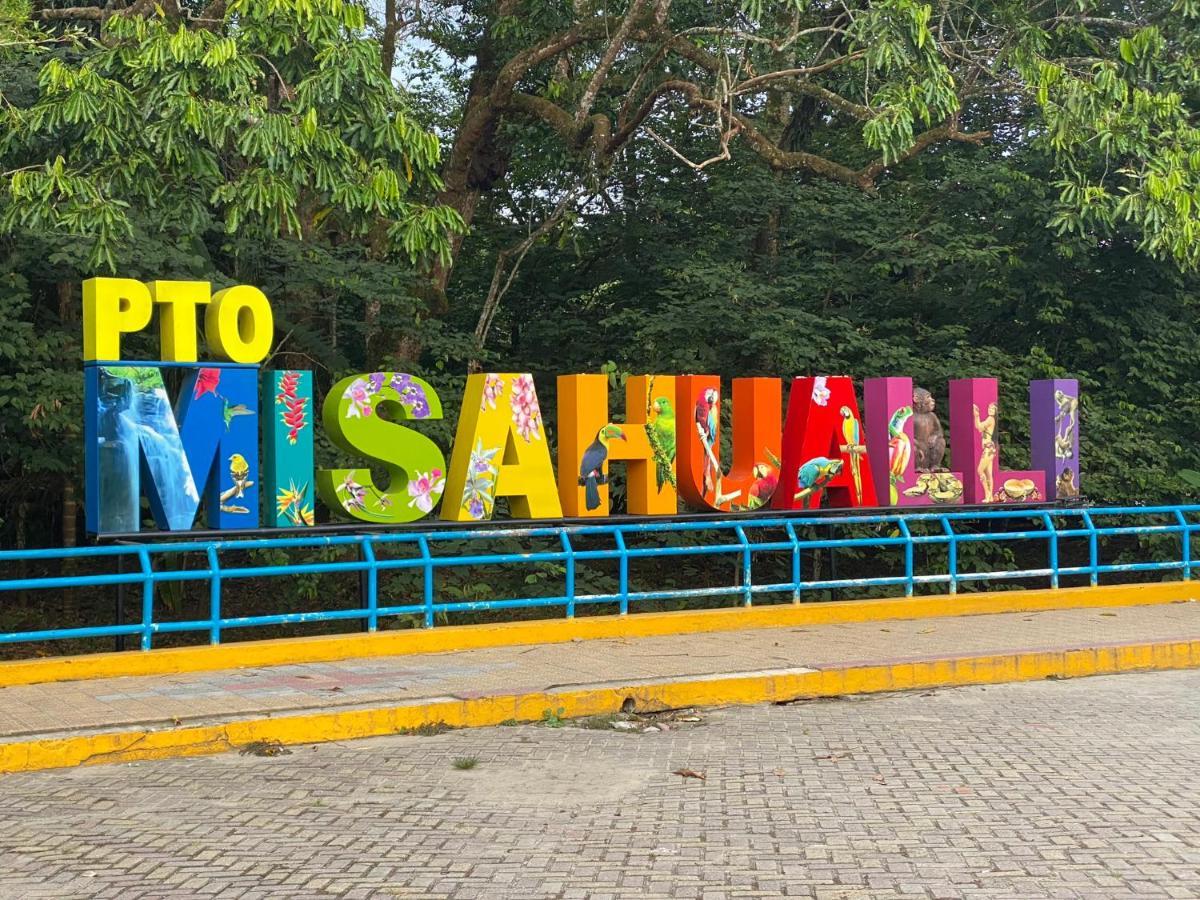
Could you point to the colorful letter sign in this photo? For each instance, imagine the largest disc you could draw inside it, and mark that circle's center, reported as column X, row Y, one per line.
column 975, row 446
column 288, row 448
column 1054, row 435
column 824, row 448
column 890, row 444
column 588, row 443
column 500, row 451
column 414, row 463
column 202, row 452
column 751, row 480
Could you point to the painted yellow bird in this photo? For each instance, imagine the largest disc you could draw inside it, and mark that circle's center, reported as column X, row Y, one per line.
column 852, row 432
column 239, row 471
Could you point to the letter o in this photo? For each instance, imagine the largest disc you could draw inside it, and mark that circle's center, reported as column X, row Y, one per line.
column 239, row 324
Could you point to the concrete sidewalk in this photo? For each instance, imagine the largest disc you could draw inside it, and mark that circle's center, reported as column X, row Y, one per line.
column 117, row 719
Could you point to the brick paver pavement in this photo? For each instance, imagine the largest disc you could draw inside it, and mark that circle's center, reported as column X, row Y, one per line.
column 1082, row 788
column 27, row 711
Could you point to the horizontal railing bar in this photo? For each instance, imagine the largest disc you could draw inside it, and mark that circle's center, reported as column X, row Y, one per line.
column 570, row 544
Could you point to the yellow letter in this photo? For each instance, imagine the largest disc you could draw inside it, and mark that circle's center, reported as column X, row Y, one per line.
column 500, row 451
column 177, row 317
column 239, row 324
column 112, row 307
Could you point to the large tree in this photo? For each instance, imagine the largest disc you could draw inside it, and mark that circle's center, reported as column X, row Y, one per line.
column 840, row 92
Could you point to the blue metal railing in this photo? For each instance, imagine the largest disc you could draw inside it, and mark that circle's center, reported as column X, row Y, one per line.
column 744, row 539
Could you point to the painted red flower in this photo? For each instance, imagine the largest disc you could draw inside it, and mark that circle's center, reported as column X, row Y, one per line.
column 206, row 382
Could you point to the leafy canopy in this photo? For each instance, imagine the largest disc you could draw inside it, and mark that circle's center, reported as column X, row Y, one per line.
column 276, row 120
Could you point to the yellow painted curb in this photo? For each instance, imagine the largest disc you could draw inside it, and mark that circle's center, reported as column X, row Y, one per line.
column 734, row 689
column 550, row 631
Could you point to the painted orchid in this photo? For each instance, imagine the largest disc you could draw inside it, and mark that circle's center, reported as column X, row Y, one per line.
column 425, row 489
column 527, row 415
column 493, row 387
column 479, row 489
column 359, row 395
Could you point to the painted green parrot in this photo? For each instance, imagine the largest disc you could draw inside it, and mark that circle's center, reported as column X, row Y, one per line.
column 899, row 450
column 591, row 467
column 815, row 474
column 661, row 432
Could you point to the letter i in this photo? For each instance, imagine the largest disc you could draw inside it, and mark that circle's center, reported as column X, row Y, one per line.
column 288, row 448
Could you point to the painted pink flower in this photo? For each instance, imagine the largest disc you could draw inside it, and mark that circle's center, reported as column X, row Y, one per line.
column 206, row 382
column 359, row 395
column 425, row 489
column 493, row 387
column 527, row 415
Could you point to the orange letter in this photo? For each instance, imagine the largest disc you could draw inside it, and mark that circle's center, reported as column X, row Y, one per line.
column 757, row 410
column 588, row 442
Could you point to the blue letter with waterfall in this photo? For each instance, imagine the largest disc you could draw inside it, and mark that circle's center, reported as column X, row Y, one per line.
column 135, row 443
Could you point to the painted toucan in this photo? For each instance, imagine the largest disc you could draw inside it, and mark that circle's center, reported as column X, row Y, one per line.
column 852, row 432
column 591, row 467
column 708, row 412
column 815, row 474
column 899, row 449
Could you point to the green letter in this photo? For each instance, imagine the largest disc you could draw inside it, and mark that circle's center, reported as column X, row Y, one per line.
column 415, row 465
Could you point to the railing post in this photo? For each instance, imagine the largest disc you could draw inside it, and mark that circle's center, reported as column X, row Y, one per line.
column 214, row 595
column 119, row 640
column 747, row 562
column 423, row 543
column 796, row 588
column 1186, row 536
column 1052, row 542
column 951, row 553
column 623, row 567
column 372, row 584
column 908, row 557
column 147, row 597
column 570, row 567
column 1093, row 550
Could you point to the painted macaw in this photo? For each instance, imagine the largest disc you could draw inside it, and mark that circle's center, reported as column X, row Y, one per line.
column 708, row 413
column 661, row 432
column 852, row 432
column 763, row 486
column 591, row 467
column 899, row 450
column 815, row 474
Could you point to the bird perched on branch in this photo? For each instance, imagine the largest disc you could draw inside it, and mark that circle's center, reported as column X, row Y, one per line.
column 239, row 471
column 591, row 467
column 661, row 433
column 852, row 433
column 815, row 474
column 708, row 412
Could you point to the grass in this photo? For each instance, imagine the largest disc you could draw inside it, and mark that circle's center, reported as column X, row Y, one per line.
column 466, row 763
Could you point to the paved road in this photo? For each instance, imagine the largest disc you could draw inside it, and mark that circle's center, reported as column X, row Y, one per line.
column 1054, row 789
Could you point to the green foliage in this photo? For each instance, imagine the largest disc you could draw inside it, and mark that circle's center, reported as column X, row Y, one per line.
column 279, row 122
